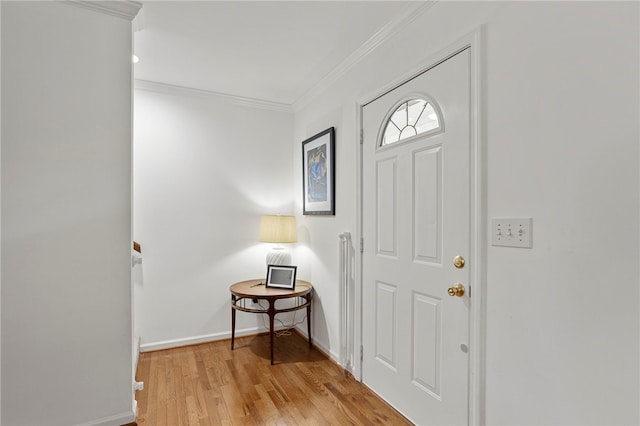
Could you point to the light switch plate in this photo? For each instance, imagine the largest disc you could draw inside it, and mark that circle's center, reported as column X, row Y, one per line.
column 512, row 232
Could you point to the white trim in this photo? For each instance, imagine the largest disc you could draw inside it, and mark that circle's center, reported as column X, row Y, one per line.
column 357, row 344
column 172, row 89
column 331, row 354
column 1, row 212
column 120, row 9
column 391, row 28
column 321, row 347
column 194, row 340
column 115, row 420
column 477, row 314
column 477, row 326
column 206, row 338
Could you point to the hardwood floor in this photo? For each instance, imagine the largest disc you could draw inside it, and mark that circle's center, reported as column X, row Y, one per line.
column 209, row 384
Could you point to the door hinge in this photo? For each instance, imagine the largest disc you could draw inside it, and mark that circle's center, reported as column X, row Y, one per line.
column 361, row 353
column 361, row 245
column 469, row 291
column 361, row 137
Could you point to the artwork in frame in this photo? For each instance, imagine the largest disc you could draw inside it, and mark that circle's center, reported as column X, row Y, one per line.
column 318, row 174
column 279, row 276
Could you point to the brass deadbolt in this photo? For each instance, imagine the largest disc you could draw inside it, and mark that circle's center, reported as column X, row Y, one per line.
column 458, row 262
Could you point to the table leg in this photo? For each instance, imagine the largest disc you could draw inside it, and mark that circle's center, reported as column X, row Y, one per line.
column 272, row 315
column 309, row 322
column 233, row 320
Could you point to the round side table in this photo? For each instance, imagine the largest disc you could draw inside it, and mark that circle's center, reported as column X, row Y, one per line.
column 244, row 291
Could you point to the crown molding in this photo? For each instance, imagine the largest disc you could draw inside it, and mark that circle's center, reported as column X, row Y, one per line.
column 124, row 9
column 394, row 26
column 172, row 89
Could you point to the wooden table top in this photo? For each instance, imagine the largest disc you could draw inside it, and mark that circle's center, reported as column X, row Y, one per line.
column 250, row 289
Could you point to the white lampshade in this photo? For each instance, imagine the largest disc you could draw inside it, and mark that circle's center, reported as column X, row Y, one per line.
column 278, row 229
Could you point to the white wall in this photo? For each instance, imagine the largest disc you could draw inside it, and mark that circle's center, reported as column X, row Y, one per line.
column 205, row 169
column 0, row 212
column 66, row 203
column 561, row 112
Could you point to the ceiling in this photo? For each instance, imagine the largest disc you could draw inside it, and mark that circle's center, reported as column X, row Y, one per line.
column 274, row 51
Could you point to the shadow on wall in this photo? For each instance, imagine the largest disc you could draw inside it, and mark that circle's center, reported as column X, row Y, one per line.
column 308, row 263
column 319, row 327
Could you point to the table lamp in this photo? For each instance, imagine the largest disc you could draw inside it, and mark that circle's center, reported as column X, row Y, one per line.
column 278, row 230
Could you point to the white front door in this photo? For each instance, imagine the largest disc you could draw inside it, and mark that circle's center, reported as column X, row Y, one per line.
column 416, row 220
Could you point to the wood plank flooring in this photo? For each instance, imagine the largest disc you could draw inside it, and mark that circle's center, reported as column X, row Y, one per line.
column 209, row 384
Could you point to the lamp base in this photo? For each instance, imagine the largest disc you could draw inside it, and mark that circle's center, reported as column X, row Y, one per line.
column 278, row 256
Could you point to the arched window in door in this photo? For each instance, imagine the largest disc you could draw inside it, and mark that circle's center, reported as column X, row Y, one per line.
column 411, row 118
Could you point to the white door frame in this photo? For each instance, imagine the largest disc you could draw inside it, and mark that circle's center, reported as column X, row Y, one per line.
column 477, row 323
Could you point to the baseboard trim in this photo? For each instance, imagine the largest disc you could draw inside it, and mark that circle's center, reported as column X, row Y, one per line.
column 116, row 420
column 195, row 340
column 319, row 346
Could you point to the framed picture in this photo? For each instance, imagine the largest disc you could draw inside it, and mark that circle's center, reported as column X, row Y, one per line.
column 318, row 174
column 281, row 277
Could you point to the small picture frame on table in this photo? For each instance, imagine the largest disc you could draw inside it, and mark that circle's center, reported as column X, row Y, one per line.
column 282, row 277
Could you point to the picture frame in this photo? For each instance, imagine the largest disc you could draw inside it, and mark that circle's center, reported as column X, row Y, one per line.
column 282, row 277
column 318, row 174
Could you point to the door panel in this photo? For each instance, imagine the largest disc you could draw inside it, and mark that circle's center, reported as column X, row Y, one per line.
column 426, row 343
column 386, row 210
column 416, row 216
column 427, row 202
column 386, row 314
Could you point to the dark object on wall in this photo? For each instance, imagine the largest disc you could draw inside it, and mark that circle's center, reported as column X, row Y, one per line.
column 318, row 174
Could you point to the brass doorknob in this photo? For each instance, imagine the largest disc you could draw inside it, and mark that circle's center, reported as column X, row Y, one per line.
column 456, row 290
